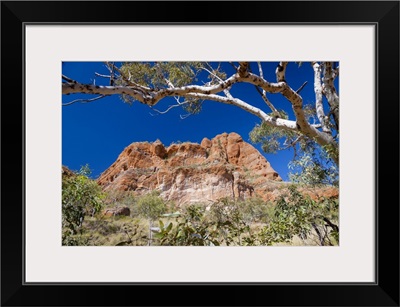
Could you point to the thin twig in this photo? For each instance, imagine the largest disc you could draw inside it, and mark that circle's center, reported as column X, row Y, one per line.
column 263, row 93
column 84, row 100
column 301, row 87
column 233, row 65
column 128, row 80
column 226, row 91
column 190, row 114
column 294, row 142
column 68, row 79
column 168, row 109
column 100, row 75
column 266, row 100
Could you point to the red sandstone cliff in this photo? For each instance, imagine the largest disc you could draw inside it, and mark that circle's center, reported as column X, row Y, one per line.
column 225, row 166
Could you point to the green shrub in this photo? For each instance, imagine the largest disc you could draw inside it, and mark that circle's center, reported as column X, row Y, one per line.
column 301, row 216
column 81, row 196
column 189, row 229
column 255, row 209
column 151, row 205
column 124, row 199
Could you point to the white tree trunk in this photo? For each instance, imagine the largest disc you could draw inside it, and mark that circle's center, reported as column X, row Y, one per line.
column 318, row 97
column 330, row 92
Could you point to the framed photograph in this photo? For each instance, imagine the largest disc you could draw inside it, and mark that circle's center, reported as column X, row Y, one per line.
column 190, row 155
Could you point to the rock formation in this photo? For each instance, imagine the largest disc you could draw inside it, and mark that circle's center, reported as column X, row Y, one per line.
column 117, row 211
column 225, row 166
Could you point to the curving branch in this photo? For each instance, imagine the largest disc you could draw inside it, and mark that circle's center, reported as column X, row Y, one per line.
column 168, row 109
column 163, row 77
column 264, row 93
column 178, row 104
column 84, row 100
column 279, row 122
column 302, row 124
column 212, row 89
column 226, row 91
column 64, row 77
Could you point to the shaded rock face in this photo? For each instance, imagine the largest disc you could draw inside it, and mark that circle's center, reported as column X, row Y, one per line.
column 66, row 172
column 225, row 166
column 117, row 211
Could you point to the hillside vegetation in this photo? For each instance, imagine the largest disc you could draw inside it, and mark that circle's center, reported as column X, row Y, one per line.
column 92, row 217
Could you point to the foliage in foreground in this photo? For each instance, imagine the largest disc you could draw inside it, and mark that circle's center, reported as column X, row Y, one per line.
column 311, row 165
column 81, row 197
column 303, row 217
column 293, row 219
column 229, row 223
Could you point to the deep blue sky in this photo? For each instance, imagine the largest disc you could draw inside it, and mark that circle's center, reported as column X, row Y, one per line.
column 95, row 133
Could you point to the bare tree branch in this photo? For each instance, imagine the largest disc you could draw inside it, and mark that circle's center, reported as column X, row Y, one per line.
column 137, row 93
column 163, row 77
column 181, row 91
column 264, row 93
column 168, row 109
column 68, row 79
column 103, row 76
column 84, row 100
column 293, row 143
column 301, row 87
column 282, row 123
column 234, row 66
column 130, row 82
column 226, row 91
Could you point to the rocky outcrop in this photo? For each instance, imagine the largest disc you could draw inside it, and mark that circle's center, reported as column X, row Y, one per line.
column 66, row 172
column 225, row 166
column 117, row 211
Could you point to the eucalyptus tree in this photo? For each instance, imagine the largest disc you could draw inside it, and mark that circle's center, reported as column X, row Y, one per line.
column 311, row 129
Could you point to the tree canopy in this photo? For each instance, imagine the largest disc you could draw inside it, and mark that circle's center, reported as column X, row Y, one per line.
column 311, row 129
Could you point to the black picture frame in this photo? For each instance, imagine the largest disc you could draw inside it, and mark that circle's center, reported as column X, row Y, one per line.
column 383, row 14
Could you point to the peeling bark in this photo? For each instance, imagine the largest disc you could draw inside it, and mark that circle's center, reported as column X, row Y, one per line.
column 138, row 94
column 318, row 97
column 330, row 91
column 281, row 71
column 243, row 69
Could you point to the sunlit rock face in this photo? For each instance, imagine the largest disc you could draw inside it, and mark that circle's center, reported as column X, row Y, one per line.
column 225, row 166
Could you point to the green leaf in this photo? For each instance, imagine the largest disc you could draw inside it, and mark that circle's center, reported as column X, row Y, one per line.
column 216, row 243
column 180, row 234
column 175, row 214
column 159, row 235
column 123, row 243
